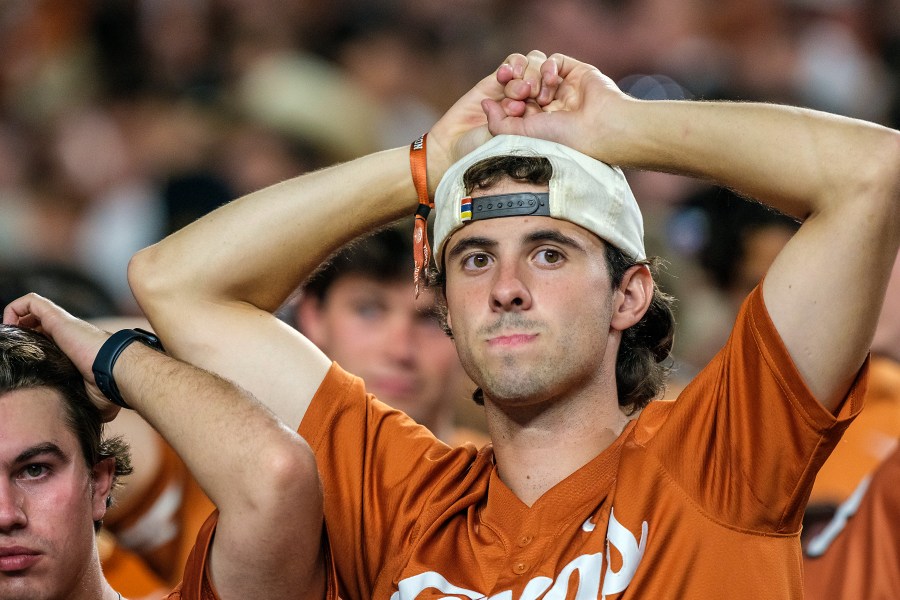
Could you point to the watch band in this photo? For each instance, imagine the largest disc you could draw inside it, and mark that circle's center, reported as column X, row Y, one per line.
column 109, row 353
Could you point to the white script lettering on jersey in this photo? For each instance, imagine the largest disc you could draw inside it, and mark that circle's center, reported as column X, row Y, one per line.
column 588, row 567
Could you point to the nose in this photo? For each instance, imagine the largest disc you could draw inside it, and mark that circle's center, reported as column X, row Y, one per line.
column 12, row 512
column 510, row 292
column 399, row 342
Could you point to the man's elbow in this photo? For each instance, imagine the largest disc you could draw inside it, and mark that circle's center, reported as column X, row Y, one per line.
column 150, row 282
column 885, row 170
column 292, row 482
column 873, row 194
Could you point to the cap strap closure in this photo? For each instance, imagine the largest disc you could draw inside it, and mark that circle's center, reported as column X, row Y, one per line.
column 505, row 205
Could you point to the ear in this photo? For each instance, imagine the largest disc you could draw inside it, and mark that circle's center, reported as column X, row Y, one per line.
column 632, row 299
column 102, row 481
column 310, row 319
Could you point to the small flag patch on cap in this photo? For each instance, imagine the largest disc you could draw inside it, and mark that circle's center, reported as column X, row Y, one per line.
column 465, row 209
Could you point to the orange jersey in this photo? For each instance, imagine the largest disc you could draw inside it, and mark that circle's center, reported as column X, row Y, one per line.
column 858, row 554
column 196, row 584
column 697, row 498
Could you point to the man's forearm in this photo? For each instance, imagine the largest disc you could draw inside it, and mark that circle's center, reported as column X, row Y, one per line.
column 797, row 160
column 261, row 475
column 225, row 437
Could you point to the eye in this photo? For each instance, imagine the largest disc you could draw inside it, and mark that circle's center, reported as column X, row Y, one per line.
column 476, row 261
column 369, row 310
column 549, row 256
column 35, row 471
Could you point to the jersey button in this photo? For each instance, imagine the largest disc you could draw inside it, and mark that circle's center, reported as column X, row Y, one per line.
column 525, row 540
column 519, row 568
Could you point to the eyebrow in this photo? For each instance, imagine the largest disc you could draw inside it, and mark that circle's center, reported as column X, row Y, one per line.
column 471, row 242
column 41, row 449
column 541, row 235
column 551, row 235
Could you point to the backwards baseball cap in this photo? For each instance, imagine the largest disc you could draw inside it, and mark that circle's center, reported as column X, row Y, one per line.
column 583, row 190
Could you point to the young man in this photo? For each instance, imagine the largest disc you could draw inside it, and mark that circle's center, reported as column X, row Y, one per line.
column 59, row 472
column 360, row 310
column 579, row 497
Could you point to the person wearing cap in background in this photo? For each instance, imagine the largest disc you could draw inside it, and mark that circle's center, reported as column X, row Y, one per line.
column 591, row 487
column 359, row 309
column 60, row 380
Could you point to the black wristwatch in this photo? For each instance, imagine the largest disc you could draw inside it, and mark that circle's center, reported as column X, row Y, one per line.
column 110, row 351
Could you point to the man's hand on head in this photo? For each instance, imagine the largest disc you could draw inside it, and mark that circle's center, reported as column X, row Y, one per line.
column 464, row 126
column 556, row 98
column 79, row 340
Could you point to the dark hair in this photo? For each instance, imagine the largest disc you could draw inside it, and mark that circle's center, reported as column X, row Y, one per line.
column 641, row 364
column 385, row 255
column 30, row 360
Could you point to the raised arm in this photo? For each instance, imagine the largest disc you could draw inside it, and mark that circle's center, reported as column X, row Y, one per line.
column 261, row 475
column 840, row 175
column 209, row 289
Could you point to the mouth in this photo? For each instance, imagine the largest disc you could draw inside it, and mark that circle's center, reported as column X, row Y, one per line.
column 392, row 386
column 511, row 340
column 17, row 558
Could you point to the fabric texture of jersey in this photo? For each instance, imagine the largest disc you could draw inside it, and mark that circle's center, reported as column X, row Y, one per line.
column 861, row 554
column 196, row 584
column 697, row 498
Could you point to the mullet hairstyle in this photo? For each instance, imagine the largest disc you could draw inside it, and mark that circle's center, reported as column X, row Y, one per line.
column 641, row 365
column 30, row 360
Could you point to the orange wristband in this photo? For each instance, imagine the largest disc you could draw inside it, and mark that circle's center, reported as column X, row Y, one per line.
column 421, row 249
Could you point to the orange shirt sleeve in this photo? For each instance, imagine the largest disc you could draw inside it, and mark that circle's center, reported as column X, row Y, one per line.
column 762, row 435
column 196, row 584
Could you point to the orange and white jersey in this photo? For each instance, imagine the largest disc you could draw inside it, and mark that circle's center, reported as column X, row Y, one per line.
column 697, row 498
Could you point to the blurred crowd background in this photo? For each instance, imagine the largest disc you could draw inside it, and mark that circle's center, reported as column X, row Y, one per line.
column 122, row 120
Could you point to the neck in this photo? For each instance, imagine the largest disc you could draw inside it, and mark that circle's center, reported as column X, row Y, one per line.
column 92, row 584
column 536, row 447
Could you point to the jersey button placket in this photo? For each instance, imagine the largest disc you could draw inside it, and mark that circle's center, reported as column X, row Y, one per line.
column 519, row 568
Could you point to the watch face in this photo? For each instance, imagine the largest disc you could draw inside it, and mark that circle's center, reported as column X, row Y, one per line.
column 150, row 338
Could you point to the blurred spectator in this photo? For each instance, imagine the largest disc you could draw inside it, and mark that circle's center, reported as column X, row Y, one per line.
column 858, row 554
column 361, row 310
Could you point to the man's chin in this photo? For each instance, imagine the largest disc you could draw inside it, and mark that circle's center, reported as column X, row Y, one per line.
column 22, row 587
